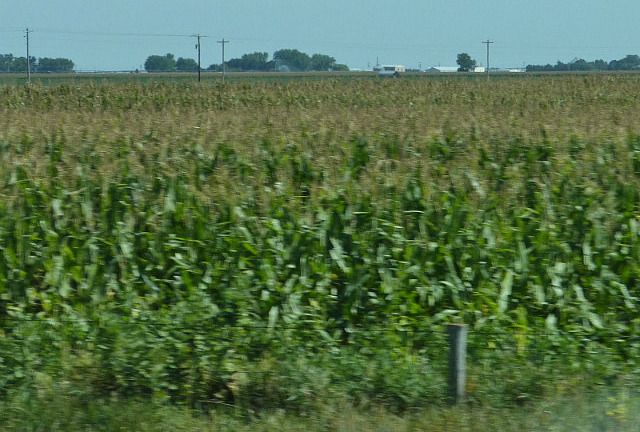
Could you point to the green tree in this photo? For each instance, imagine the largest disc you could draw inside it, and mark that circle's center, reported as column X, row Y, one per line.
column 322, row 62
column 61, row 65
column 256, row 61
column 292, row 58
column 157, row 63
column 19, row 64
column 600, row 65
column 581, row 65
column 186, row 65
column 6, row 61
column 574, row 65
column 630, row 62
column 465, row 63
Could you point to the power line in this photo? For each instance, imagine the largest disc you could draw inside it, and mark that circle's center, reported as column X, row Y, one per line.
column 96, row 33
column 354, row 45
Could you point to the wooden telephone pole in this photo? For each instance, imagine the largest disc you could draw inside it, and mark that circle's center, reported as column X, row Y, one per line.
column 28, row 59
column 488, row 42
column 198, row 48
column 223, row 42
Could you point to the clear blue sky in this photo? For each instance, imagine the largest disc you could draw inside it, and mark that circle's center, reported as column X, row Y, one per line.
column 121, row 34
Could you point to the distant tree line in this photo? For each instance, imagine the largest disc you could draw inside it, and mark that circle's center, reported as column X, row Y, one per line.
column 630, row 62
column 11, row 64
column 168, row 63
column 283, row 60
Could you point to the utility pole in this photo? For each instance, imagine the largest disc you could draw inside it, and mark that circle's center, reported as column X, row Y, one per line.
column 488, row 42
column 198, row 48
column 28, row 60
column 223, row 42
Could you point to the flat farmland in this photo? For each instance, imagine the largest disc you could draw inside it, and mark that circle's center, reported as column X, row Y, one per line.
column 269, row 243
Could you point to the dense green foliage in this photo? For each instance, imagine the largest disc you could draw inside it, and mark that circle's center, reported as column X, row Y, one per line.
column 186, row 65
column 465, row 62
column 628, row 63
column 257, row 61
column 159, row 63
column 283, row 60
column 271, row 244
column 11, row 64
column 57, row 65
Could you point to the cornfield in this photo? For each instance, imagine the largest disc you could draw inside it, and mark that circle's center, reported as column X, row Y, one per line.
column 272, row 243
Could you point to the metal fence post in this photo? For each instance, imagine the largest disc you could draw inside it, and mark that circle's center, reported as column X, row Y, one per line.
column 457, row 356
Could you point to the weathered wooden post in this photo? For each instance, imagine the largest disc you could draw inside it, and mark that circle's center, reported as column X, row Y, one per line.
column 457, row 364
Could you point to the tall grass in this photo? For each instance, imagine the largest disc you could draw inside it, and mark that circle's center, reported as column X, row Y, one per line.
column 611, row 409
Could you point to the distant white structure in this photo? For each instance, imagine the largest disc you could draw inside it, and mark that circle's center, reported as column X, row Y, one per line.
column 444, row 69
column 391, row 70
column 477, row 69
column 448, row 69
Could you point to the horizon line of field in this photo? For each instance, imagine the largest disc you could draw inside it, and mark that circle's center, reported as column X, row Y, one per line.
column 497, row 72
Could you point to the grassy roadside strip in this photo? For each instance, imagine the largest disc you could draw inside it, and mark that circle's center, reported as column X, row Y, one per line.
column 615, row 408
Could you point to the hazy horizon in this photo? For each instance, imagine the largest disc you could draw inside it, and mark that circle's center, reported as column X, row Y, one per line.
column 120, row 35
